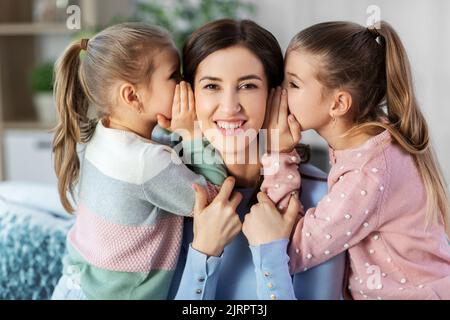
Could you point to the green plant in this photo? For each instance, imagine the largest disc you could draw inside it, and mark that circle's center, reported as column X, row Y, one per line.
column 42, row 78
column 182, row 17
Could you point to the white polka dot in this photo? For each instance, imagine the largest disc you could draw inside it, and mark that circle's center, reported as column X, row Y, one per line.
column 403, row 280
column 328, row 199
column 379, row 298
column 374, row 170
column 341, row 177
column 380, row 286
column 383, row 275
column 305, row 269
column 359, row 154
column 420, row 286
column 401, row 288
column 365, row 297
column 357, row 171
column 342, row 195
column 277, row 186
column 381, row 188
column 349, row 233
column 361, row 281
column 389, row 260
column 376, row 237
column 280, row 207
column 328, row 219
column 290, row 177
column 367, row 264
column 312, row 216
column 276, row 164
column 294, row 158
column 366, row 224
column 308, row 234
column 371, row 251
column 346, row 245
column 327, row 252
column 309, row 256
column 348, row 216
column 342, row 167
column 356, row 278
column 363, row 192
column 367, row 211
column 328, row 236
column 360, row 291
column 297, row 250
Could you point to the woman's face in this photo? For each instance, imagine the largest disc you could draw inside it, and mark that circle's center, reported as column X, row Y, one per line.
column 231, row 92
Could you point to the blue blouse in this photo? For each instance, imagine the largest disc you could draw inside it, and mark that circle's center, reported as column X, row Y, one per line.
column 246, row 272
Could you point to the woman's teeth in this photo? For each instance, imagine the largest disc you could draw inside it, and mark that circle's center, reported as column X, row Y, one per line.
column 229, row 125
column 229, row 128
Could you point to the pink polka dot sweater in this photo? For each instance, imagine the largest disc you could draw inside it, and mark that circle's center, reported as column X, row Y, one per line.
column 375, row 208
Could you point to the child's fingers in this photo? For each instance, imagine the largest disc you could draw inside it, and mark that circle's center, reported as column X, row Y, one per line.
column 295, row 128
column 283, row 113
column 268, row 118
column 183, row 97
column 163, row 121
column 276, row 104
column 191, row 98
column 176, row 101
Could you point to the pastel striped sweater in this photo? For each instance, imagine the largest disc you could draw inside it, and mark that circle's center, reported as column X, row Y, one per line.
column 132, row 197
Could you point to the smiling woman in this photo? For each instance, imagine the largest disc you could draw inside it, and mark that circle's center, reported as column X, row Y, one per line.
column 232, row 66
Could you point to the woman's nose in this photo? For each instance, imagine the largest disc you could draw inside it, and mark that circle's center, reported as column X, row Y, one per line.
column 230, row 104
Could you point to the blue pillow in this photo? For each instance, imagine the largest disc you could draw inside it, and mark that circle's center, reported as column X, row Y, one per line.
column 32, row 244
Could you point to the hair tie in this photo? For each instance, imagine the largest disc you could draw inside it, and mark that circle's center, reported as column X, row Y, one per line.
column 374, row 32
column 84, row 44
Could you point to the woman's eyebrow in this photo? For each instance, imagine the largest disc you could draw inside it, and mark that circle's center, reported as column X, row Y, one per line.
column 250, row 77
column 243, row 78
column 210, row 79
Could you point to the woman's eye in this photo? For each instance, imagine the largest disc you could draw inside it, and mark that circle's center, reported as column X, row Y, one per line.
column 175, row 76
column 211, row 86
column 293, row 85
column 248, row 86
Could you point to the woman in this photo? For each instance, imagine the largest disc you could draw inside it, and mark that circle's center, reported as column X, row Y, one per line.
column 232, row 65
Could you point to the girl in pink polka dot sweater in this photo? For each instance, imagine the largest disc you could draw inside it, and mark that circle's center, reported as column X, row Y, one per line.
column 387, row 202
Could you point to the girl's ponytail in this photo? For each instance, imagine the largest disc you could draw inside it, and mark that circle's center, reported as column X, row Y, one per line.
column 73, row 124
column 409, row 127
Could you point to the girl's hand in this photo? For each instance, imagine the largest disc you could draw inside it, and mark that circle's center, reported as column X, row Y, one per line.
column 278, row 118
column 217, row 224
column 183, row 112
column 265, row 223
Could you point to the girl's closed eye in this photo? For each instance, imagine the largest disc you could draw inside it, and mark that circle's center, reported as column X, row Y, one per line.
column 293, row 85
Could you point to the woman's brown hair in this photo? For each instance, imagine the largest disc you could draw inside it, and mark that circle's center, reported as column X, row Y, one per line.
column 121, row 52
column 372, row 64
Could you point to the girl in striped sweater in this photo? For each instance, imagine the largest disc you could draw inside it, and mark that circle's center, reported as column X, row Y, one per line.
column 132, row 193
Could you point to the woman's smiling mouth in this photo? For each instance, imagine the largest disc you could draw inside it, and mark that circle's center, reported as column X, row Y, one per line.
column 230, row 127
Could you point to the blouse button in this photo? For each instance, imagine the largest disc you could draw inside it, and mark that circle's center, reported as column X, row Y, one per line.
column 266, row 273
column 273, row 297
column 270, row 285
column 198, row 291
column 201, row 279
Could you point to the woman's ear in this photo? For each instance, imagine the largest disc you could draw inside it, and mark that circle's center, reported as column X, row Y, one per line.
column 129, row 97
column 342, row 102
